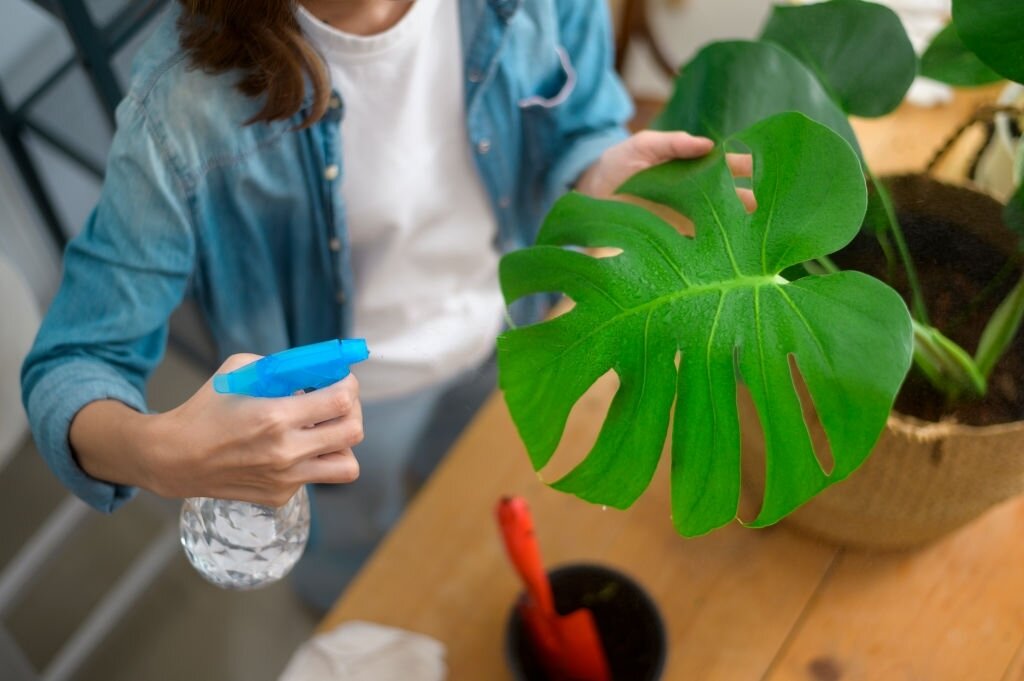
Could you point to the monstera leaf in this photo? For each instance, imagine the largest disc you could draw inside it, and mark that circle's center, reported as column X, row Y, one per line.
column 718, row 302
column 858, row 50
column 948, row 60
column 732, row 85
column 994, row 30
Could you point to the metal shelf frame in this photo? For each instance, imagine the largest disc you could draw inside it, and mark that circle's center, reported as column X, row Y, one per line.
column 94, row 49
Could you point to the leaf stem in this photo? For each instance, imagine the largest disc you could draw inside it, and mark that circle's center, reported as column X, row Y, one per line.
column 946, row 365
column 917, row 305
column 1000, row 331
column 1002, row 277
column 827, row 264
column 890, row 258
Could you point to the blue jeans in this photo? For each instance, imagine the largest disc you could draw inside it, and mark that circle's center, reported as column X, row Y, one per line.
column 405, row 439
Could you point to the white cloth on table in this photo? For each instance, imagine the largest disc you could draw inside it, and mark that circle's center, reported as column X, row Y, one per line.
column 364, row 651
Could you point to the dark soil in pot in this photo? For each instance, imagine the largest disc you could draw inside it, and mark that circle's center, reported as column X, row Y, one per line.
column 630, row 626
column 967, row 262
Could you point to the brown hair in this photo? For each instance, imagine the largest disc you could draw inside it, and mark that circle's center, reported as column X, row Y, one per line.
column 262, row 40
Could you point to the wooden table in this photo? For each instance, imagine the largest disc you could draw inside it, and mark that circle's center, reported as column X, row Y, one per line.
column 739, row 604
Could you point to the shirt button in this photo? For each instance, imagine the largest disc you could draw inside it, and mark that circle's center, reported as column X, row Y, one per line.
column 331, row 172
column 483, row 146
column 504, row 202
column 334, row 244
column 334, row 102
column 475, row 75
column 340, row 297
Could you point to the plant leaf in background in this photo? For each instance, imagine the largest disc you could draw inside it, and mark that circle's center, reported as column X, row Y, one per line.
column 1013, row 215
column 859, row 51
column 993, row 30
column 1004, row 325
column 752, row 81
column 730, row 85
column 717, row 301
column 948, row 60
column 1002, row 328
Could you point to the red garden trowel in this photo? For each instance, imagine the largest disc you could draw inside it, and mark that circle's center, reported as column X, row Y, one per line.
column 568, row 646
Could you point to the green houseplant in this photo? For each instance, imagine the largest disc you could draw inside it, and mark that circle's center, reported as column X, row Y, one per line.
column 757, row 300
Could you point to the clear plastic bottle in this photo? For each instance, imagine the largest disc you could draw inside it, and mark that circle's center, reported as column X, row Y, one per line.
column 238, row 545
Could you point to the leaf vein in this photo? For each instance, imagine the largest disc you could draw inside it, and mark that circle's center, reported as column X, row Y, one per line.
column 766, row 417
column 810, row 330
column 768, row 224
column 721, row 230
column 711, row 398
column 692, row 292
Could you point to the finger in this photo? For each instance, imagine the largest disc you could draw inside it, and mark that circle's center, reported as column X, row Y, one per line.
column 331, row 436
column 747, row 197
column 274, row 496
column 322, row 405
column 658, row 147
column 334, row 468
column 740, row 165
column 237, row 361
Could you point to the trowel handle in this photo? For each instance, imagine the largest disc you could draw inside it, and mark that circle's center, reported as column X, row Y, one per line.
column 521, row 543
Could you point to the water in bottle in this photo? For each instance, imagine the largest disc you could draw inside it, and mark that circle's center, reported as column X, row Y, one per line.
column 238, row 545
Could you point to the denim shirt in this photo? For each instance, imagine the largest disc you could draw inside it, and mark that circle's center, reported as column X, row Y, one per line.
column 249, row 220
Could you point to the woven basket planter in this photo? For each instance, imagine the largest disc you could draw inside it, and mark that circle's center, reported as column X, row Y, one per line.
column 923, row 479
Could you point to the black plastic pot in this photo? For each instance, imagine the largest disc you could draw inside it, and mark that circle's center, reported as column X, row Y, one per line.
column 631, row 628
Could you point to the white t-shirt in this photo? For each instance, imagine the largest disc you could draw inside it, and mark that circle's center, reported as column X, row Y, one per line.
column 420, row 224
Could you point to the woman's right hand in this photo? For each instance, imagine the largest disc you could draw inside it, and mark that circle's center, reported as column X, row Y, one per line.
column 259, row 450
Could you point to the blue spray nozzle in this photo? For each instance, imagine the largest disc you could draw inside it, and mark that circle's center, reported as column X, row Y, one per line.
column 308, row 367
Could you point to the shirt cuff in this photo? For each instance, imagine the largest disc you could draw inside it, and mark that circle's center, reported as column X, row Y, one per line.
column 51, row 406
column 583, row 153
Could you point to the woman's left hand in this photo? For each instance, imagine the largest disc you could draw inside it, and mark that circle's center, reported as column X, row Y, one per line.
column 650, row 148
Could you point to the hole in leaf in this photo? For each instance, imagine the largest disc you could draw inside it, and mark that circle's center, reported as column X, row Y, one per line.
column 742, row 174
column 752, row 456
column 564, row 305
column 582, row 428
column 525, row 310
column 683, row 224
column 604, row 252
column 822, row 448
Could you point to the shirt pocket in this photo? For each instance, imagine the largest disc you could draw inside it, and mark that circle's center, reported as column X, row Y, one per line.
column 541, row 110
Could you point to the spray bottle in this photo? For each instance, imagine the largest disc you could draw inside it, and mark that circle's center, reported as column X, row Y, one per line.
column 239, row 545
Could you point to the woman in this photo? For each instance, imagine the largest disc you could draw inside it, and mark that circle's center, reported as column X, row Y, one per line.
column 335, row 168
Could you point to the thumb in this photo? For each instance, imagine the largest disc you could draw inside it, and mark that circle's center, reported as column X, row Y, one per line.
column 659, row 147
column 237, row 361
